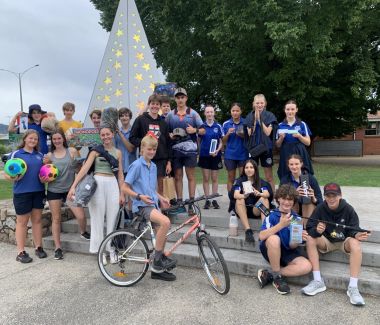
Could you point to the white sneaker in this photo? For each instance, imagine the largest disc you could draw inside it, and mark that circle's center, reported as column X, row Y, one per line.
column 314, row 287
column 355, row 296
column 104, row 259
column 114, row 258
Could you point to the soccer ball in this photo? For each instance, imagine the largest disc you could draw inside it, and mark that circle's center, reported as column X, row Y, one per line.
column 15, row 167
column 50, row 171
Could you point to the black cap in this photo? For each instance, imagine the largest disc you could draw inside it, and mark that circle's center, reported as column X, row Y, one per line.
column 332, row 188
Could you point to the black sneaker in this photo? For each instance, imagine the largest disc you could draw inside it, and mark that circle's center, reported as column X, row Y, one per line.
column 281, row 286
column 191, row 210
column 164, row 276
column 40, row 252
column 207, row 205
column 58, row 254
column 264, row 277
column 249, row 236
column 85, row 235
column 215, row 204
column 23, row 257
column 164, row 263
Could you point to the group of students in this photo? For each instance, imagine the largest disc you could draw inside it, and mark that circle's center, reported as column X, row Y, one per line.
column 170, row 143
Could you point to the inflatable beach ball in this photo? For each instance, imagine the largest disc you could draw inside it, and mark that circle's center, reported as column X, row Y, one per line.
column 15, row 167
column 50, row 171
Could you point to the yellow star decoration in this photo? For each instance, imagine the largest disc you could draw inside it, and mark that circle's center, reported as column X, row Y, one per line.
column 140, row 56
column 117, row 65
column 118, row 53
column 108, row 80
column 121, row 14
column 98, row 97
column 118, row 92
column 151, row 86
column 140, row 105
column 121, row 83
column 150, row 76
column 135, row 65
column 106, row 98
column 136, row 38
column 144, row 91
column 143, row 46
column 119, row 33
column 120, row 23
column 138, row 76
column 146, row 66
column 135, row 47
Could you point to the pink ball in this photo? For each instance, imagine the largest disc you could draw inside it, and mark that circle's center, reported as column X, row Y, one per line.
column 49, row 171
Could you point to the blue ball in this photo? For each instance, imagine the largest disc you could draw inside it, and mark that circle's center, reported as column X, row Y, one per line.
column 15, row 167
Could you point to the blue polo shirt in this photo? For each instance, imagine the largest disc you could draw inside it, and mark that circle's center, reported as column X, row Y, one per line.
column 42, row 137
column 143, row 180
column 284, row 234
column 298, row 125
column 213, row 131
column 30, row 182
column 128, row 157
column 235, row 149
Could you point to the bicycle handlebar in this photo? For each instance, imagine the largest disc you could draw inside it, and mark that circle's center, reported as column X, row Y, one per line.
column 192, row 201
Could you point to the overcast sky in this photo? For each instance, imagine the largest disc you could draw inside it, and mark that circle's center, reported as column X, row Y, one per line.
column 64, row 38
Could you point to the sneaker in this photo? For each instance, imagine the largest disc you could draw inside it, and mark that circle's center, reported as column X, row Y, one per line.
column 163, row 264
column 40, row 252
column 85, row 235
column 114, row 258
column 355, row 296
column 191, row 211
column 164, row 276
column 207, row 205
column 58, row 254
column 178, row 210
column 264, row 277
column 215, row 204
column 23, row 257
column 249, row 236
column 313, row 288
column 281, row 286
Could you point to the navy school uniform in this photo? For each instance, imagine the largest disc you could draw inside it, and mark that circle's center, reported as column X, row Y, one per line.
column 235, row 149
column 213, row 131
column 292, row 145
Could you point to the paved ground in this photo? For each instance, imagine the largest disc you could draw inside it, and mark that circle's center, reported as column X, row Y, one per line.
column 72, row 291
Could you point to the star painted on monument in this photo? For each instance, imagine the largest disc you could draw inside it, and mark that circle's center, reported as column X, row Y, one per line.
column 119, row 53
column 138, row 77
column 140, row 105
column 144, row 91
column 146, row 66
column 121, row 83
column 135, row 65
column 106, row 99
column 117, row 65
column 108, row 80
column 135, row 47
column 151, row 86
column 119, row 33
column 136, row 38
column 140, row 56
column 118, row 92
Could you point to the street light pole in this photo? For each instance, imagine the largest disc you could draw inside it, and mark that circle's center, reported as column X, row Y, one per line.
column 19, row 75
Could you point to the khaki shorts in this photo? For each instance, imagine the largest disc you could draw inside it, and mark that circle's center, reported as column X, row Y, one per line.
column 333, row 246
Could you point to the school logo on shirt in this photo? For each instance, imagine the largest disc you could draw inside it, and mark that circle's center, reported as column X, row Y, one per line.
column 215, row 130
column 155, row 129
column 297, row 128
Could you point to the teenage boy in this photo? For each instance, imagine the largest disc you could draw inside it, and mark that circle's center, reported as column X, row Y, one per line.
column 165, row 106
column 140, row 184
column 68, row 122
column 186, row 122
column 326, row 238
column 261, row 125
column 275, row 246
column 96, row 117
column 151, row 121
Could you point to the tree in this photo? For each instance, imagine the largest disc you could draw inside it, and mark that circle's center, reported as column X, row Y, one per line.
column 325, row 54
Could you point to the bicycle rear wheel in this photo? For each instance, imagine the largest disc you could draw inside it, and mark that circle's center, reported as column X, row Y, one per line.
column 122, row 259
column 213, row 263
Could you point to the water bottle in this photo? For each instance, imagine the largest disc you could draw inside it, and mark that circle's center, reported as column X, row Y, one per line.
column 234, row 223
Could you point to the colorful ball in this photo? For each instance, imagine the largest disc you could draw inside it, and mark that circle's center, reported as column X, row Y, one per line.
column 15, row 167
column 50, row 171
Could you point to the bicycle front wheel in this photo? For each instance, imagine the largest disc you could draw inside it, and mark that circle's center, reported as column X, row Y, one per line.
column 122, row 258
column 214, row 265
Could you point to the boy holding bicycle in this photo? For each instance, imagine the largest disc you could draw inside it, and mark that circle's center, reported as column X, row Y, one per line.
column 140, row 184
column 327, row 237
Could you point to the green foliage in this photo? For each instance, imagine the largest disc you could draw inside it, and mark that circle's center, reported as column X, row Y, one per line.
column 325, row 54
column 4, row 149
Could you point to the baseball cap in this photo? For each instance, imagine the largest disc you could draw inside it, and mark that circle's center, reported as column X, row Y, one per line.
column 180, row 91
column 332, row 188
column 179, row 132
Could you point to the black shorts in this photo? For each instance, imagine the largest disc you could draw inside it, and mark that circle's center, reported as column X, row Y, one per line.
column 266, row 159
column 287, row 255
column 179, row 162
column 25, row 202
column 209, row 162
column 233, row 164
column 50, row 196
column 161, row 167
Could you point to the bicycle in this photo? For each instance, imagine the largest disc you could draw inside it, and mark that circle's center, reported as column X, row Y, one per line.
column 124, row 256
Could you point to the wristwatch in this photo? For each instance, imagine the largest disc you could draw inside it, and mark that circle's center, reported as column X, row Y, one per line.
column 138, row 197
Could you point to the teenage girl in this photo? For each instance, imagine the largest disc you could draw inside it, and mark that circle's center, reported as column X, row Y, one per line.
column 29, row 196
column 108, row 195
column 245, row 202
column 235, row 153
column 295, row 165
column 210, row 162
column 293, row 135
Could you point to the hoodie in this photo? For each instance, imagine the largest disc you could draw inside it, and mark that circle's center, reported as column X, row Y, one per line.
column 145, row 123
column 344, row 214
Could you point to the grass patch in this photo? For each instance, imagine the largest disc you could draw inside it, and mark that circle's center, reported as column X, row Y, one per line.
column 6, row 189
